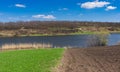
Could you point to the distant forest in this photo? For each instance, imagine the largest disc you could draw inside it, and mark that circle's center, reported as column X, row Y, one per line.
column 54, row 24
column 54, row 27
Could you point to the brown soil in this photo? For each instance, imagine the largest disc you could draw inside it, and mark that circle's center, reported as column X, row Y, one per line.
column 99, row 59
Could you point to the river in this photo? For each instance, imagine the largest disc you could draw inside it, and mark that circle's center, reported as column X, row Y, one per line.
column 60, row 41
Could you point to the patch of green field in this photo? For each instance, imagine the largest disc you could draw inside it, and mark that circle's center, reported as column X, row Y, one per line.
column 89, row 32
column 41, row 60
column 64, row 34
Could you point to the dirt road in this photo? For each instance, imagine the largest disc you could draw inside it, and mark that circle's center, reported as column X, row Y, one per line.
column 100, row 59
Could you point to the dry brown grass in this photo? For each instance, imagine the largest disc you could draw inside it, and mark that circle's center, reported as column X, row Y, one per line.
column 25, row 46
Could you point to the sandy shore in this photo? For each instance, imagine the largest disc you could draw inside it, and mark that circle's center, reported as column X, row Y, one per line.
column 98, row 59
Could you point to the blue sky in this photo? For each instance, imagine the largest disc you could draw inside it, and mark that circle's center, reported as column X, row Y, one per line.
column 65, row 10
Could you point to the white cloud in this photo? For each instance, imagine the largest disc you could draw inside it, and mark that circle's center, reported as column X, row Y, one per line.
column 95, row 4
column 110, row 8
column 44, row 16
column 63, row 9
column 20, row 5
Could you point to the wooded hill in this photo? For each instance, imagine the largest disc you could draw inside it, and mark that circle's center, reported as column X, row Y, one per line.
column 54, row 27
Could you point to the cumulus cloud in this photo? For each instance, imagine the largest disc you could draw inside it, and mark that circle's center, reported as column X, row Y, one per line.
column 110, row 8
column 20, row 5
column 94, row 4
column 44, row 16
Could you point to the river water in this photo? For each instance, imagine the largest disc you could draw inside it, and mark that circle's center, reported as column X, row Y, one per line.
column 60, row 41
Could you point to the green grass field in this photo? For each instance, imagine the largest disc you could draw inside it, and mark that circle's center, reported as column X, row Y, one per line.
column 76, row 33
column 41, row 60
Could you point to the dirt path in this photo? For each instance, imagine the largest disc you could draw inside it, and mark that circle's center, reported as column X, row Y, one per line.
column 101, row 59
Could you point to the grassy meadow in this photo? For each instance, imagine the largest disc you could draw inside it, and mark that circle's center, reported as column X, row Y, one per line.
column 35, row 60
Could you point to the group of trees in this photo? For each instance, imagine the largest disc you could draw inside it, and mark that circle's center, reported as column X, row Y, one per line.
column 55, row 26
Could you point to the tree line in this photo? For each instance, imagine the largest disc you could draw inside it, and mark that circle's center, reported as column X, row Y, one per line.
column 54, row 24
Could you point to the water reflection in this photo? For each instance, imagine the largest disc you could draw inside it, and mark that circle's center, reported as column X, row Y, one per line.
column 64, row 41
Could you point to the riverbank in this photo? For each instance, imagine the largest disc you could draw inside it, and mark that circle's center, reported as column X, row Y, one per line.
column 58, row 34
column 34, row 60
column 63, row 34
column 76, row 33
column 97, row 59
